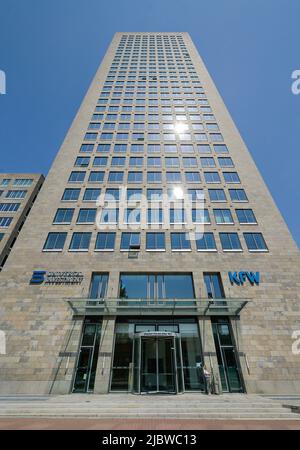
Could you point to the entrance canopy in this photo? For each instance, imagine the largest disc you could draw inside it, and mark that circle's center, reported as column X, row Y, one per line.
column 175, row 307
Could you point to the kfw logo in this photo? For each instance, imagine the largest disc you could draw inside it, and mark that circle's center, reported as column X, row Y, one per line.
column 38, row 277
column 239, row 278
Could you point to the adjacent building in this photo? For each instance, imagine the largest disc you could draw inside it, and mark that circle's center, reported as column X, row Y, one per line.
column 18, row 192
column 154, row 246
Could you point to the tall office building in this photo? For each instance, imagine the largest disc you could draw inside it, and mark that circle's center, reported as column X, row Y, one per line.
column 18, row 192
column 154, row 246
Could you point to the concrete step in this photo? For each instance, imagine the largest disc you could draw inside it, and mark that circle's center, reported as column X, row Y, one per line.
column 186, row 406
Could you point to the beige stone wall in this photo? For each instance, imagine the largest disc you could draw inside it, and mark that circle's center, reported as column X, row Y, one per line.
column 39, row 323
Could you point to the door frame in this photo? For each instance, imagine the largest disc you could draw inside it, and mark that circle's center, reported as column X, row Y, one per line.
column 137, row 346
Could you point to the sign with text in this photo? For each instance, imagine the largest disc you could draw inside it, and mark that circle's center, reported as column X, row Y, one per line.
column 42, row 276
column 239, row 278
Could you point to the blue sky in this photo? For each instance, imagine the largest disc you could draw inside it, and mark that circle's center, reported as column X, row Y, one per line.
column 50, row 50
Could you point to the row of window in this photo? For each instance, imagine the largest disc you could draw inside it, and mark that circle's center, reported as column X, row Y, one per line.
column 150, row 126
column 180, row 241
column 154, row 161
column 156, row 148
column 153, row 105
column 163, row 110
column 154, row 216
column 14, row 194
column 150, row 120
column 9, row 207
column 17, row 182
column 153, row 177
column 155, row 195
column 213, row 137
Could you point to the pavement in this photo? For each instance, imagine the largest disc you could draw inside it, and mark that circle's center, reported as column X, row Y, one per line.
column 145, row 424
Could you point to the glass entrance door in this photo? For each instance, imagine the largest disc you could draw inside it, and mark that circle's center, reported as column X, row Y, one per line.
column 85, row 372
column 231, row 378
column 155, row 364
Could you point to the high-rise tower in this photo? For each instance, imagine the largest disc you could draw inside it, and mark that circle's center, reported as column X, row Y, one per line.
column 112, row 288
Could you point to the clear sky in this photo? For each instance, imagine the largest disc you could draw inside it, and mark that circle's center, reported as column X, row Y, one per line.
column 50, row 50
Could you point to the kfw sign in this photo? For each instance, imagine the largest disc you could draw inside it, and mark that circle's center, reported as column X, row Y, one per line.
column 240, row 278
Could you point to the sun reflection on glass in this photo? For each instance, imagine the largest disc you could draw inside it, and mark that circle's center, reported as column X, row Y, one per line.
column 178, row 192
column 180, row 127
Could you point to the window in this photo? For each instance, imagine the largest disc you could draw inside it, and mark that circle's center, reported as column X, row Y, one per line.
column 153, row 162
column 207, row 162
column 16, row 194
column 136, row 161
column 110, row 215
column 5, row 222
column 170, row 148
column 96, row 177
column 118, row 161
column 230, row 242
column 135, row 177
column 213, row 284
column 98, row 285
column 155, row 216
column 77, row 177
column 103, row 148
column 215, row 137
column 9, row 207
column 173, row 177
column 2, row 236
column 154, row 194
column 112, row 195
column 172, row 162
column 154, row 177
column 195, row 195
column 100, row 161
column 220, row 148
column 238, row 195
column 91, row 136
column 82, row 162
column 203, row 148
column 156, row 286
column 245, row 216
column 106, row 136
column 217, row 195
column 212, row 177
column 80, row 242
column 87, row 215
column 192, row 177
column 231, row 177
column 189, row 162
column 132, row 215
column 70, row 195
column 255, row 242
column 115, row 177
column 120, row 148
column 155, row 241
column 223, row 216
column 153, row 148
column 130, row 241
column 64, row 215
column 137, row 148
column 5, row 182
column 205, row 242
column 91, row 195
column 105, row 241
column 225, row 162
column 55, row 242
column 200, row 216
column 180, row 241
column 23, row 182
